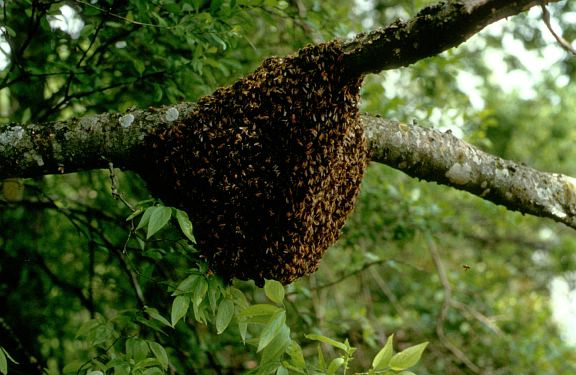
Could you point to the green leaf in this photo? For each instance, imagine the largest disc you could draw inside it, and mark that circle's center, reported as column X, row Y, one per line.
column 186, row 285
column 224, row 315
column 272, row 354
column 158, row 219
column 179, row 308
column 8, row 355
column 145, row 217
column 160, row 353
column 406, row 373
column 185, row 224
column 199, row 313
column 239, row 298
column 334, row 365
column 145, row 363
column 3, row 362
column 271, row 329
column 154, row 314
column 199, row 292
column 296, row 356
column 268, row 367
column 408, row 357
column 382, row 359
column 274, row 291
column 282, row 371
column 328, row 341
column 259, row 313
column 215, row 287
column 136, row 348
column 321, row 360
column 243, row 328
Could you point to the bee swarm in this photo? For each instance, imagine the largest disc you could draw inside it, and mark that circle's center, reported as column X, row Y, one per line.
column 268, row 168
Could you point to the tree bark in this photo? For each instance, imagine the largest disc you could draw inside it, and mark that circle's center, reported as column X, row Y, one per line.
column 94, row 141
column 435, row 29
column 433, row 156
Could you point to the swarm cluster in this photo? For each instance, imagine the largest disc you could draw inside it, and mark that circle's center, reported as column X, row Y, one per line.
column 268, row 168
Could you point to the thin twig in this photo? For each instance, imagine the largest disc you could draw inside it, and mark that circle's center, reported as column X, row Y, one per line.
column 115, row 192
column 563, row 42
column 121, row 17
column 487, row 321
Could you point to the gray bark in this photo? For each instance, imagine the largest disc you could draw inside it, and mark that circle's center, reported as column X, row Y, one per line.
column 435, row 29
column 93, row 141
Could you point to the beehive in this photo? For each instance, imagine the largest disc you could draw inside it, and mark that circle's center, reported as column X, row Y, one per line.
column 269, row 168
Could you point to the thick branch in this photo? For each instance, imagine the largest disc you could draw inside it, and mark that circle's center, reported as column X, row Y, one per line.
column 441, row 157
column 85, row 143
column 93, row 141
column 434, row 30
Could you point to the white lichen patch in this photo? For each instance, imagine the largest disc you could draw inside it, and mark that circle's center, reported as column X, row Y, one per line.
column 172, row 114
column 126, row 120
column 12, row 135
column 502, row 174
column 459, row 174
column 88, row 122
column 543, row 194
column 557, row 211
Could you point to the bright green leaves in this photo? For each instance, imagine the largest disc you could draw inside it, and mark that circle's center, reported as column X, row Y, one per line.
column 135, row 355
column 136, row 349
column 154, row 314
column 192, row 289
column 267, row 325
column 185, row 224
column 327, row 340
column 180, row 307
column 386, row 360
column 224, row 315
column 159, row 217
column 155, row 218
column 4, row 357
column 159, row 353
column 336, row 363
column 274, row 291
column 382, row 359
column 271, row 329
column 408, row 357
column 259, row 314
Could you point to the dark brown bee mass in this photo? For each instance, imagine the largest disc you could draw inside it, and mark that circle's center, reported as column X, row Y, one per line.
column 268, row 168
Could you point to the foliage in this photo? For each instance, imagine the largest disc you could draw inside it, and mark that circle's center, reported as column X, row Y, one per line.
column 83, row 290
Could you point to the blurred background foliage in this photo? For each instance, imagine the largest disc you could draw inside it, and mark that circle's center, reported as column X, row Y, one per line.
column 425, row 262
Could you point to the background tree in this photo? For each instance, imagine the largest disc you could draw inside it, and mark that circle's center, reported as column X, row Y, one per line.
column 83, row 289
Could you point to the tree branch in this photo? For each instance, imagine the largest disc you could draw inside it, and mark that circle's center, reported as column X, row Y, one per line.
column 85, row 143
column 435, row 29
column 93, row 141
column 441, row 157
